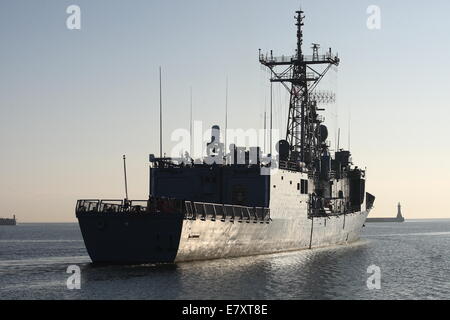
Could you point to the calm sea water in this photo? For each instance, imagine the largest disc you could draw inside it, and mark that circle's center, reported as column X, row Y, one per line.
column 414, row 258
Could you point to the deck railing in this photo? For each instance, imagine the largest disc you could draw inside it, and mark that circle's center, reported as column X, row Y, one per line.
column 106, row 206
column 268, row 59
column 190, row 209
column 215, row 211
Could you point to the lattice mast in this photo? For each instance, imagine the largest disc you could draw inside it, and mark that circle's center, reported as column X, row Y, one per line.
column 298, row 76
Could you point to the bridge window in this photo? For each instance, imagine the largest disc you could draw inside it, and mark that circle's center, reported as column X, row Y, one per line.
column 303, row 186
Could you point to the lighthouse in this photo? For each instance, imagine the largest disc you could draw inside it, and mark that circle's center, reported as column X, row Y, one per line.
column 399, row 213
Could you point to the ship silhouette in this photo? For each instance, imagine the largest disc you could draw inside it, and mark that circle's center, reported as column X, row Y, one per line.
column 237, row 201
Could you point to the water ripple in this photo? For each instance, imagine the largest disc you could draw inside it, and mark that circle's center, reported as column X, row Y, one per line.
column 413, row 258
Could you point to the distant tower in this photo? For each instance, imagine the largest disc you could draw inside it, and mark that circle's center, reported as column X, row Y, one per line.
column 399, row 213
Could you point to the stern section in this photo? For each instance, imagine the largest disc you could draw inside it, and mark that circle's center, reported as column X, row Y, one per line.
column 122, row 234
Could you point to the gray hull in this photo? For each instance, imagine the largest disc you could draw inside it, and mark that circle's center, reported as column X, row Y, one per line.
column 147, row 238
column 216, row 239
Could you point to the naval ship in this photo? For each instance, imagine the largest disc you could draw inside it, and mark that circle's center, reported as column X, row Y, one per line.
column 236, row 201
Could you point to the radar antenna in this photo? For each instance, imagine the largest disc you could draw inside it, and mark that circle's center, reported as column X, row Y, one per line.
column 300, row 75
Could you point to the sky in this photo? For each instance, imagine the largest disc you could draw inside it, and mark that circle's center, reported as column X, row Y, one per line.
column 72, row 102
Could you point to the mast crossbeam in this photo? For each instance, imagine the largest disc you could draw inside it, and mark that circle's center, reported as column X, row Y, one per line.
column 302, row 132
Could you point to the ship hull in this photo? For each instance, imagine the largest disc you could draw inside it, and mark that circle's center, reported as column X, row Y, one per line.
column 131, row 238
column 149, row 238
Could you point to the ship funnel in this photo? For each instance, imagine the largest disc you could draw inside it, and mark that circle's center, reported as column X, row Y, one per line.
column 215, row 149
column 215, row 134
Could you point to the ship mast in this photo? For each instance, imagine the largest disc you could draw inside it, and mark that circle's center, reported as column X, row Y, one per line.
column 297, row 75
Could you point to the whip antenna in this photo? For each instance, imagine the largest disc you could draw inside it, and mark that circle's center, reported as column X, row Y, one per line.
column 160, row 114
column 125, row 175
